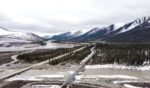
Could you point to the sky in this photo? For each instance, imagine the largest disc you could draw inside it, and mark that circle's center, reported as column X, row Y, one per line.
column 58, row 16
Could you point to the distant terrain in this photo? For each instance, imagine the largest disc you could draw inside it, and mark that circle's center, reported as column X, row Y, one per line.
column 13, row 38
column 137, row 31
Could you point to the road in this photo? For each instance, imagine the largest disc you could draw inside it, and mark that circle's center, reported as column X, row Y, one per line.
column 38, row 64
column 14, row 60
column 71, row 77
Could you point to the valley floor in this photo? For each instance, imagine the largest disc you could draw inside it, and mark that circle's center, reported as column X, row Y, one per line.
column 93, row 76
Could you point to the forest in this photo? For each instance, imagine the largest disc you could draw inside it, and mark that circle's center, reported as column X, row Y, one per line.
column 73, row 57
column 44, row 54
column 41, row 55
column 126, row 54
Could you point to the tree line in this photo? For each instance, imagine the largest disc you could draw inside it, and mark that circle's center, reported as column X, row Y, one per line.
column 127, row 54
column 73, row 57
column 44, row 54
column 41, row 55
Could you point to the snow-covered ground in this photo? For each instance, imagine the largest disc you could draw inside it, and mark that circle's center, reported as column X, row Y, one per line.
column 37, row 77
column 78, row 77
column 127, row 81
column 45, row 86
column 60, row 73
column 48, row 45
column 130, row 86
column 53, row 72
column 116, row 66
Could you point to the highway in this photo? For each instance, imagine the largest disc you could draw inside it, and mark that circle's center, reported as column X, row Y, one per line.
column 71, row 77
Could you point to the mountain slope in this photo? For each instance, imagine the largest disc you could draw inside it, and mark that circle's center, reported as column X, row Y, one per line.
column 66, row 36
column 8, row 37
column 96, row 33
column 61, row 37
column 22, row 36
column 136, row 31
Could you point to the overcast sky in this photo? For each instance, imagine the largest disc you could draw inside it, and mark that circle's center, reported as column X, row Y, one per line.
column 56, row 16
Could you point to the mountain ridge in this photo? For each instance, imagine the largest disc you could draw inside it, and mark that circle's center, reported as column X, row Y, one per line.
column 8, row 37
column 112, row 33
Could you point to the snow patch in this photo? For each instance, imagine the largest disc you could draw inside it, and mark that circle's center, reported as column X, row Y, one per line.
column 129, row 28
column 79, row 77
column 45, row 86
column 71, row 72
column 135, row 24
column 93, row 31
column 128, row 81
column 130, row 86
column 118, row 25
column 116, row 66
column 35, row 78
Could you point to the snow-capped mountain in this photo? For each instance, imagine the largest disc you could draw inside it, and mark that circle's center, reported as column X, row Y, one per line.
column 136, row 31
column 85, row 36
column 66, row 36
column 135, row 23
column 62, row 36
column 9, row 37
column 78, row 33
column 95, row 33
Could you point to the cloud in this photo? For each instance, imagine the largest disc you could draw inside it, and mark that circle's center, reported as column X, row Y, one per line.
column 56, row 16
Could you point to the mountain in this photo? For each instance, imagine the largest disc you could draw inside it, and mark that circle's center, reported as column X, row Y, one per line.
column 78, row 33
column 135, row 31
column 61, row 37
column 10, row 37
column 66, row 36
column 95, row 33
